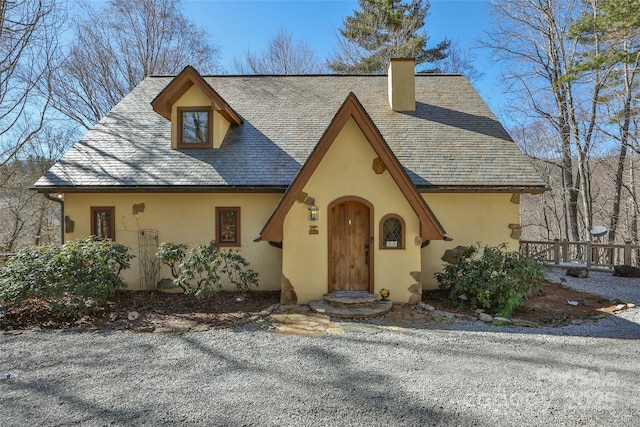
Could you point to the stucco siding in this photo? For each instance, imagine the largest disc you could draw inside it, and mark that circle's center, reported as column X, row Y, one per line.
column 346, row 170
column 469, row 218
column 182, row 218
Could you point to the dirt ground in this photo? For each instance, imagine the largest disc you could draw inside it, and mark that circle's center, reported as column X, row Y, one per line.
column 142, row 309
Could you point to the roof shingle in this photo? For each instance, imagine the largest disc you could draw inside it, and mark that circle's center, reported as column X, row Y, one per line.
column 451, row 140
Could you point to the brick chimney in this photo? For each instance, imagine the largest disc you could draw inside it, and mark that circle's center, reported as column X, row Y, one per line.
column 402, row 84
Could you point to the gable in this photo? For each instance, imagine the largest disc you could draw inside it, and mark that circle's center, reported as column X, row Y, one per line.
column 351, row 109
column 188, row 78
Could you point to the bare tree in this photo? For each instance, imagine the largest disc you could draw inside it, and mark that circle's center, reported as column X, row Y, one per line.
column 116, row 47
column 28, row 49
column 282, row 56
column 532, row 36
column 458, row 61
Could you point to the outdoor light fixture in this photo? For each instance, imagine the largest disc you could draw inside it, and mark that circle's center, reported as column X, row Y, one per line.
column 313, row 211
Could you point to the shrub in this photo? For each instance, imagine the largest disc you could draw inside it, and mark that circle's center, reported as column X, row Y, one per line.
column 172, row 255
column 238, row 271
column 198, row 270
column 496, row 280
column 77, row 277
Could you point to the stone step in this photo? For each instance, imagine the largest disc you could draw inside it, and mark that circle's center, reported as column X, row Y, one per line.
column 354, row 298
column 373, row 309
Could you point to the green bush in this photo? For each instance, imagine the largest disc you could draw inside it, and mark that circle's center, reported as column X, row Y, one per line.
column 198, row 269
column 496, row 279
column 172, row 255
column 77, row 277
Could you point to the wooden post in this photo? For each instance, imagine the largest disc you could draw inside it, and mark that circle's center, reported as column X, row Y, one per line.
column 627, row 253
column 565, row 251
column 589, row 254
column 556, row 251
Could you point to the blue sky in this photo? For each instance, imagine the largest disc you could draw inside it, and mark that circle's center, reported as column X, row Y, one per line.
column 238, row 25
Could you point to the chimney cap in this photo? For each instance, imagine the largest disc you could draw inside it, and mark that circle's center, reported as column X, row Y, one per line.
column 399, row 59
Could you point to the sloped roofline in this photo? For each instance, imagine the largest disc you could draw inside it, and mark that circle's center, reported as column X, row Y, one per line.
column 187, row 78
column 430, row 227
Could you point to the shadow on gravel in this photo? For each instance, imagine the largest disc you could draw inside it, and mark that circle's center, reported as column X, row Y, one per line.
column 613, row 327
column 62, row 403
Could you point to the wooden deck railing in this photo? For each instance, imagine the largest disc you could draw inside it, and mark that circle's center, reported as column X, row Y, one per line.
column 590, row 254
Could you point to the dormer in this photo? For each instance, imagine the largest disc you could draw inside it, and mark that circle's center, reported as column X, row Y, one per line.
column 199, row 117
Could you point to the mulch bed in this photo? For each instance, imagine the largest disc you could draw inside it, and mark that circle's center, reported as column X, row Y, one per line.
column 137, row 310
column 150, row 309
column 549, row 306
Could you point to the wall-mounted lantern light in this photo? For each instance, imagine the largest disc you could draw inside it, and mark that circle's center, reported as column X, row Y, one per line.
column 313, row 211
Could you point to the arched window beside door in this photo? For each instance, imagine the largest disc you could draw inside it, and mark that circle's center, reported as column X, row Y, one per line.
column 392, row 232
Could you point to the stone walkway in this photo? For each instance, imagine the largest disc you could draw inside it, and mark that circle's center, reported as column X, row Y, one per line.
column 301, row 320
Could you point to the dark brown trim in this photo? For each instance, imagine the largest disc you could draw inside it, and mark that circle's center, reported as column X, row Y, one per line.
column 430, row 228
column 371, row 236
column 238, row 241
column 163, row 103
column 163, row 189
column 181, row 110
column 381, row 232
column 112, row 223
column 262, row 189
column 480, row 189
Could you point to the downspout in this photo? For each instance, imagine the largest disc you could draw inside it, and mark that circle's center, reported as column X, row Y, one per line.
column 60, row 200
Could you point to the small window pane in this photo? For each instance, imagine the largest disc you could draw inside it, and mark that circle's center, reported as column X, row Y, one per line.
column 195, row 127
column 392, row 233
column 228, row 226
column 103, row 222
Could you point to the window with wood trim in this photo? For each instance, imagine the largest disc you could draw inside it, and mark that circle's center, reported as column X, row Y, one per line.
column 103, row 222
column 228, row 226
column 195, row 126
column 392, row 232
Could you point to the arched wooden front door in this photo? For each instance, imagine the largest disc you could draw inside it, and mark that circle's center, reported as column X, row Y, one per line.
column 350, row 245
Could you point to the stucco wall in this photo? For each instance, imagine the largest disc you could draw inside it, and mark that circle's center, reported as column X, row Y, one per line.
column 468, row 218
column 182, row 218
column 346, row 170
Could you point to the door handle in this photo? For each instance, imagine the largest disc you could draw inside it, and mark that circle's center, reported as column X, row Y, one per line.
column 366, row 253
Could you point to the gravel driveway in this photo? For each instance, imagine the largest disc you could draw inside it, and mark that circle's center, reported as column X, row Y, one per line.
column 496, row 376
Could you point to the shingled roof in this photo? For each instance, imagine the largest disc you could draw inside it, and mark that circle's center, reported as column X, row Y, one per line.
column 451, row 142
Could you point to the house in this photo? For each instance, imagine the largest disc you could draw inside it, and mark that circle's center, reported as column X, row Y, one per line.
column 323, row 182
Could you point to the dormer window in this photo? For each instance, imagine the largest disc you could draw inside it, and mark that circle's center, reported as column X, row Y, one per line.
column 195, row 125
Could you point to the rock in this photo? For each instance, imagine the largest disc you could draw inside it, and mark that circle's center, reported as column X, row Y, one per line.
column 416, row 288
column 424, row 307
column 501, row 321
column 165, row 284
column 445, row 314
column 133, row 315
column 621, row 301
column 599, row 316
column 450, row 254
column 626, row 271
column 200, row 328
column 487, row 318
column 144, row 329
column 288, row 294
column 579, row 272
column 620, row 307
column 479, row 310
column 414, row 299
column 524, row 323
column 417, row 275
